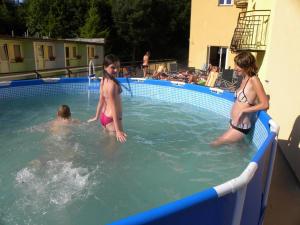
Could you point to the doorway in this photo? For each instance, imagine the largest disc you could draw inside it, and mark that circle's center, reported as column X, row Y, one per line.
column 67, row 56
column 40, row 56
column 4, row 59
column 217, row 56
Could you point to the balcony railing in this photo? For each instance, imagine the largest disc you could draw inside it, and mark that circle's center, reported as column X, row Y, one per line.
column 251, row 31
column 241, row 3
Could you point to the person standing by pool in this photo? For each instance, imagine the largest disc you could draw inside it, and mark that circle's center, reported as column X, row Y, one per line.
column 250, row 98
column 146, row 63
column 109, row 108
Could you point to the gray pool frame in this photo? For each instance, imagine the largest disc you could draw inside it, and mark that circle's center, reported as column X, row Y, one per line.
column 242, row 200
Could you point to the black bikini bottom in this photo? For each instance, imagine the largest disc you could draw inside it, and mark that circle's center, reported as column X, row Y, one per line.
column 244, row 131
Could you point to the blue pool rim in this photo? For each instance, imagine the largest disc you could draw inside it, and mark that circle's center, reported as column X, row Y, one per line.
column 241, row 200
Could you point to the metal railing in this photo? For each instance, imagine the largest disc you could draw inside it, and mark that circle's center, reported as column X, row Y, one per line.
column 78, row 71
column 251, row 31
column 132, row 69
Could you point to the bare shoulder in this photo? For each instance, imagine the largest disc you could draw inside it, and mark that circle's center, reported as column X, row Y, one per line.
column 112, row 88
column 255, row 81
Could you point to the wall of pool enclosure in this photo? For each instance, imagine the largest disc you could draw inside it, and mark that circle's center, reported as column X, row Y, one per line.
column 242, row 200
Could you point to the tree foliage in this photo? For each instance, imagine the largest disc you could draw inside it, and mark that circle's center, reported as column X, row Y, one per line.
column 130, row 27
column 93, row 27
column 55, row 18
column 11, row 18
column 131, row 21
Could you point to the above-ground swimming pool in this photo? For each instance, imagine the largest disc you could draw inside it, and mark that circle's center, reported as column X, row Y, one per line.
column 166, row 172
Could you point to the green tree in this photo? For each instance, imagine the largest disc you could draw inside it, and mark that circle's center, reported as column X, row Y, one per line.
column 92, row 26
column 131, row 22
column 4, row 18
column 11, row 18
column 161, row 26
column 36, row 14
column 60, row 19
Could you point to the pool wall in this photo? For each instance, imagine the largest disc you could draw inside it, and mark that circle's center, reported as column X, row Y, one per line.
column 241, row 200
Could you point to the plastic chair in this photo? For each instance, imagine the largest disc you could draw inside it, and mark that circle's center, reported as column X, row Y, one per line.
column 228, row 80
column 211, row 79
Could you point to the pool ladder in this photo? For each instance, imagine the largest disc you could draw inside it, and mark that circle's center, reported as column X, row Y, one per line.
column 92, row 73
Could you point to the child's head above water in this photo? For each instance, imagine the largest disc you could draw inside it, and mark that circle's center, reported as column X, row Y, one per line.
column 64, row 112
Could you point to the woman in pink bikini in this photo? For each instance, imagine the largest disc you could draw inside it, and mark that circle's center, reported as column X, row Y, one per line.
column 249, row 99
column 109, row 108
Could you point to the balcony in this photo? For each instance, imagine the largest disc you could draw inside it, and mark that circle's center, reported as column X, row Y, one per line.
column 251, row 31
column 241, row 3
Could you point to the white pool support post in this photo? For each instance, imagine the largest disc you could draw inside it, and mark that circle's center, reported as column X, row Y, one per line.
column 239, row 185
column 274, row 128
column 239, row 206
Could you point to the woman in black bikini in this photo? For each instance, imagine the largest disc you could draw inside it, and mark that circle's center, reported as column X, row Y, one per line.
column 250, row 98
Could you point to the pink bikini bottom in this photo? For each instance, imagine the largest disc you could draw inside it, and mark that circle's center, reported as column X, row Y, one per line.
column 104, row 120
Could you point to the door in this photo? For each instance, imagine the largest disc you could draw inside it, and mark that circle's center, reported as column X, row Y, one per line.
column 4, row 60
column 40, row 56
column 90, row 53
column 67, row 55
column 217, row 56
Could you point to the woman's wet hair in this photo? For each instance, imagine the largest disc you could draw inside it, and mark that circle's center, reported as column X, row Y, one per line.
column 247, row 62
column 64, row 112
column 108, row 60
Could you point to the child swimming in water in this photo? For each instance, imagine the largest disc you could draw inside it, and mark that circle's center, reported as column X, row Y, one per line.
column 63, row 120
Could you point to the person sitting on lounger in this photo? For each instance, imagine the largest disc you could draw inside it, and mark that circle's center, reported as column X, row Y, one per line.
column 161, row 69
column 212, row 77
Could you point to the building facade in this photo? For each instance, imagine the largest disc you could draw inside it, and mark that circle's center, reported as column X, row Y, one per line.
column 211, row 29
column 25, row 55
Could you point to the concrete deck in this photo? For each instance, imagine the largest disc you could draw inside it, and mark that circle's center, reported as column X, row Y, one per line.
column 284, row 197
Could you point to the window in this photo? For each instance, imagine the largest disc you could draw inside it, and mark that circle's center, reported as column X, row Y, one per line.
column 74, row 52
column 4, row 52
column 17, row 51
column 225, row 2
column 51, row 56
column 67, row 52
column 217, row 56
column 91, row 52
column 41, row 51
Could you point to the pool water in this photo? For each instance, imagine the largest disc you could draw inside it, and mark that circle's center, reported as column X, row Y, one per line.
column 84, row 176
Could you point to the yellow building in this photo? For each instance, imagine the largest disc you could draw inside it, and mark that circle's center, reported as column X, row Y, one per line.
column 271, row 30
column 211, row 29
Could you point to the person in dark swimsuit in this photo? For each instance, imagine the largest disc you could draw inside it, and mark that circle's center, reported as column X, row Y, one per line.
column 146, row 63
column 249, row 99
